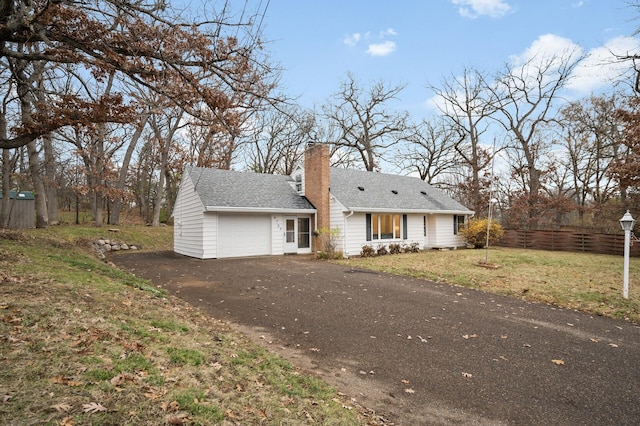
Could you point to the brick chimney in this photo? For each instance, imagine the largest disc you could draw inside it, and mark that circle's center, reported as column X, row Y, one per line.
column 317, row 183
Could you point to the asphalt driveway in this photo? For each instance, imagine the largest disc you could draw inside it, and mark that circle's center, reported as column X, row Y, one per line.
column 415, row 351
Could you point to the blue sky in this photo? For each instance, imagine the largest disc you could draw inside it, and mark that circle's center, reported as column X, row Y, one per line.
column 423, row 41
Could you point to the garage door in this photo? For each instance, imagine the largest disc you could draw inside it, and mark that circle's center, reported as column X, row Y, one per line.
column 244, row 235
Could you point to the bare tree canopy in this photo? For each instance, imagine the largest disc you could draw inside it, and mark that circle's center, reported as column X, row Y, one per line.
column 366, row 126
column 467, row 102
column 208, row 65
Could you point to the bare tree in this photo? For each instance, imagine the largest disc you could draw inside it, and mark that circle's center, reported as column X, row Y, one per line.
column 526, row 95
column 120, row 190
column 277, row 140
column 366, row 125
column 592, row 135
column 467, row 103
column 164, row 128
column 430, row 150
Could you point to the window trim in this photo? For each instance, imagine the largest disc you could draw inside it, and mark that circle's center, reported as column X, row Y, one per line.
column 306, row 233
column 458, row 222
column 374, row 222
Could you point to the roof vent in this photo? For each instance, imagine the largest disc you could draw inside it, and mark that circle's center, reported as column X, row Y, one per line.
column 394, row 191
column 423, row 193
column 361, row 188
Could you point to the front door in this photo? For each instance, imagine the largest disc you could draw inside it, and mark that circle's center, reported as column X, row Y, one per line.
column 290, row 235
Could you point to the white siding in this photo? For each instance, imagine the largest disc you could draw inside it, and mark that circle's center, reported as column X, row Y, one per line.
column 188, row 221
column 336, row 220
column 415, row 229
column 356, row 234
column 244, row 235
column 439, row 233
column 442, row 234
column 277, row 234
column 210, row 235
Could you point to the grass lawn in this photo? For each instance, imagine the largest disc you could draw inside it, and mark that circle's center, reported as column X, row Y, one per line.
column 587, row 282
column 82, row 342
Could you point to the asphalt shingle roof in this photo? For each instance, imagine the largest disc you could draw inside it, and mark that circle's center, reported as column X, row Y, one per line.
column 377, row 192
column 228, row 189
column 355, row 189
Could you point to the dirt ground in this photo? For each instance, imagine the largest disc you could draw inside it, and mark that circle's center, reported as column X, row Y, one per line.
column 414, row 351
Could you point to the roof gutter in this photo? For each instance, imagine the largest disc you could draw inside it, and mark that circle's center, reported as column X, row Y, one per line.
column 225, row 209
column 419, row 211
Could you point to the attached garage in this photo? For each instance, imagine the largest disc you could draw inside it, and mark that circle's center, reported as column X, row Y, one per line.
column 223, row 213
column 244, row 235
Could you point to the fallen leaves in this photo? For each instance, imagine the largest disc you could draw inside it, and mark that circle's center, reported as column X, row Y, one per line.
column 66, row 421
column 62, row 407
column 121, row 379
column 170, row 406
column 61, row 380
column 93, row 407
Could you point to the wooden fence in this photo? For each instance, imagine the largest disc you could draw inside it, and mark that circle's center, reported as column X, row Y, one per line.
column 568, row 241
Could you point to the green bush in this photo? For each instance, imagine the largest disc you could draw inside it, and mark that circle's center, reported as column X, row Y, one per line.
column 476, row 232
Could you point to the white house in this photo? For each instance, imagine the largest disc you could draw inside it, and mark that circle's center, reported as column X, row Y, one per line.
column 221, row 213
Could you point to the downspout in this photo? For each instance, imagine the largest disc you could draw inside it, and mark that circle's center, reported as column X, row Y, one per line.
column 346, row 229
column 314, row 246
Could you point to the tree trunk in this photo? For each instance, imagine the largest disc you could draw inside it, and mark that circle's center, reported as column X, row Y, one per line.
column 157, row 202
column 5, row 205
column 35, row 171
column 51, row 185
column 114, row 218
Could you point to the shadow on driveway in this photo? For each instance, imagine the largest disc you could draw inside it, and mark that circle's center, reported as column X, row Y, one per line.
column 415, row 351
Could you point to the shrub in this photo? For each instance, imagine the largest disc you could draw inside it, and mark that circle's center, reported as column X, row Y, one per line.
column 367, row 251
column 328, row 240
column 476, row 232
column 382, row 250
column 414, row 247
column 395, row 248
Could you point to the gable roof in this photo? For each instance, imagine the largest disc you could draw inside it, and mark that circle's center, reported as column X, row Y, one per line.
column 226, row 190
column 370, row 192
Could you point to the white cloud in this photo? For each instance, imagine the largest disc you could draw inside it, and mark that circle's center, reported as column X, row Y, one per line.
column 388, row 32
column 381, row 49
column 474, row 8
column 353, row 39
column 600, row 68
column 547, row 47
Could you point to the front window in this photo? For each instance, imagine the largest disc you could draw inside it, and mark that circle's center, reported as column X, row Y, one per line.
column 385, row 226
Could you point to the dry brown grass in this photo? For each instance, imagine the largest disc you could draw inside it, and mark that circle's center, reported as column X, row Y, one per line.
column 587, row 282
